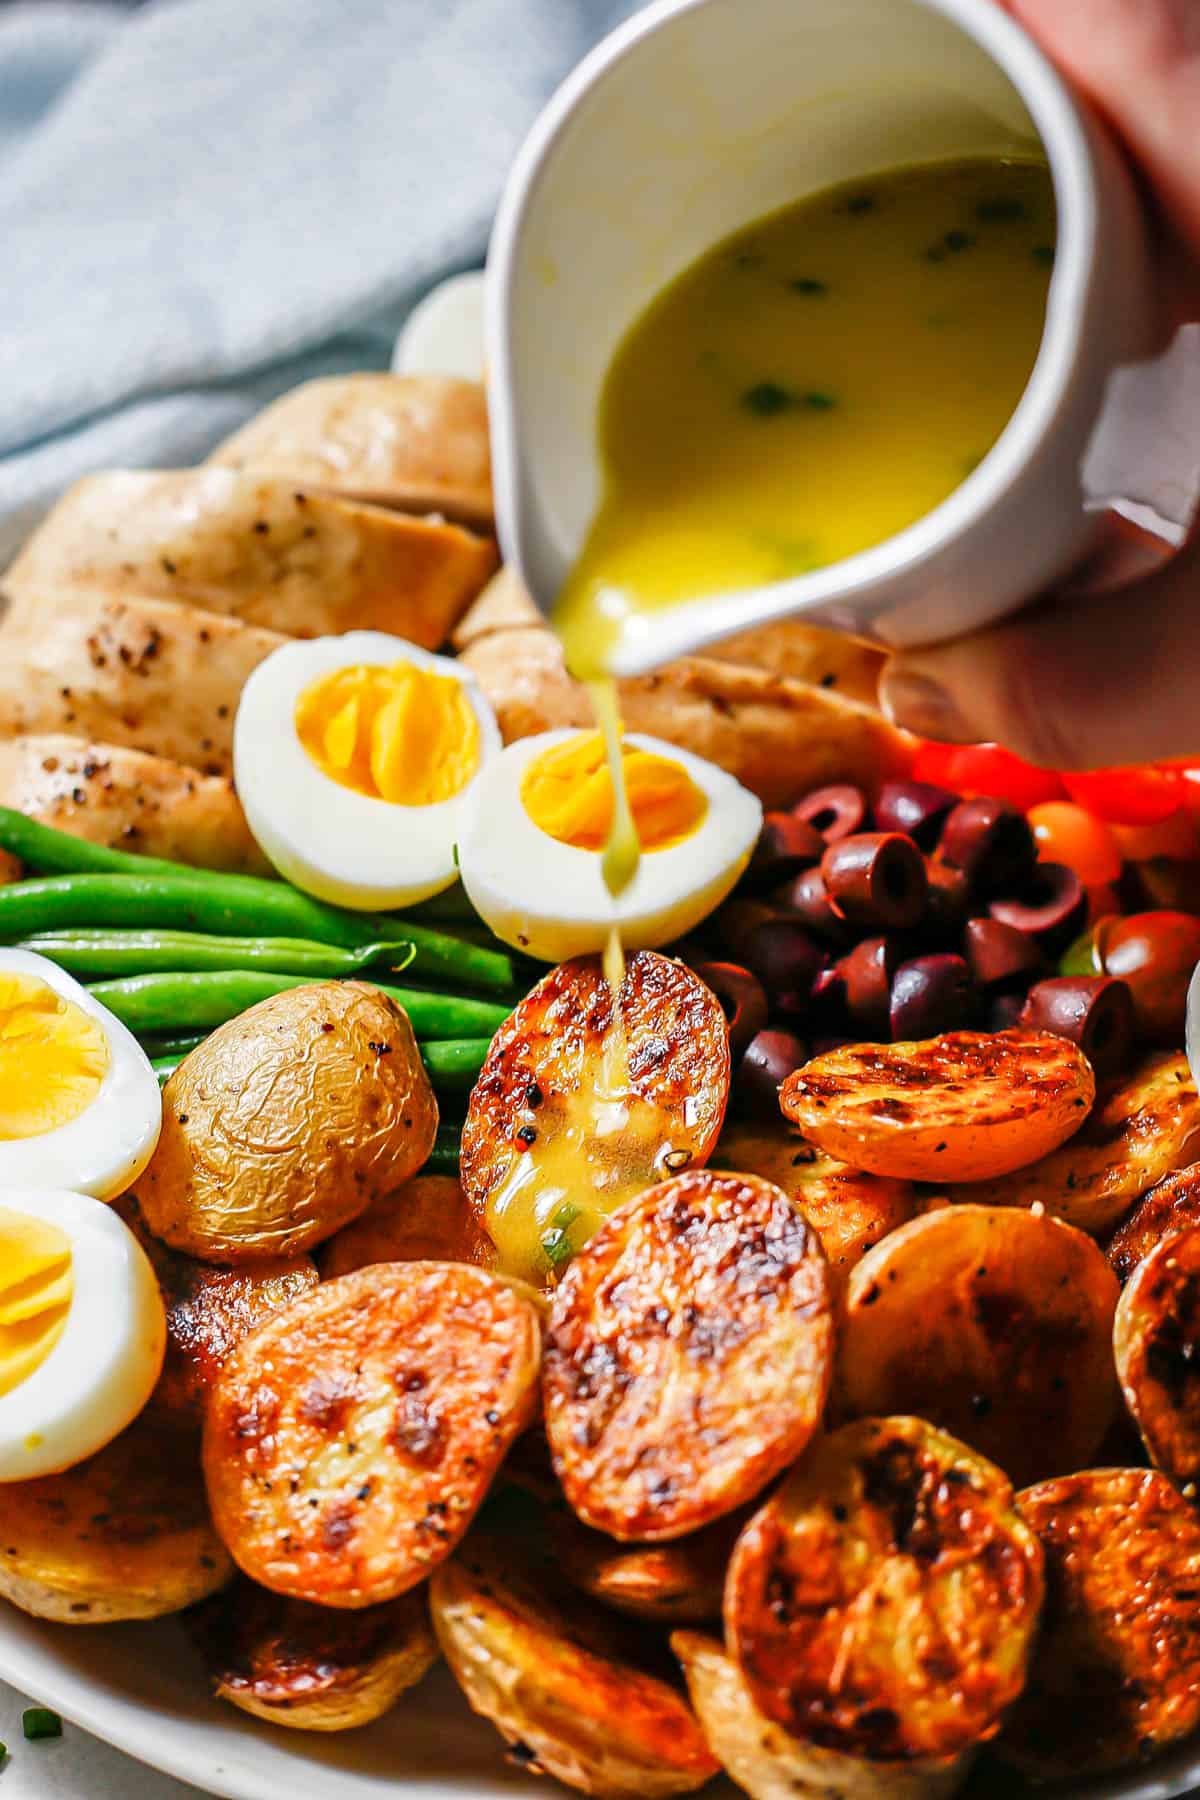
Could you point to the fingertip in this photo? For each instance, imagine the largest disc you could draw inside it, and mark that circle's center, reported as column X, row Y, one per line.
column 913, row 697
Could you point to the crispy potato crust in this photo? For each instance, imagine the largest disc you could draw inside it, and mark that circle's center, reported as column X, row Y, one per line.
column 1140, row 1133
column 124, row 1535
column 961, row 1107
column 350, row 1440
column 769, row 1764
column 566, row 1684
column 992, row 1323
column 287, row 1123
column 1174, row 1205
column 848, row 1209
column 1157, row 1345
column 308, row 1667
column 1116, row 1673
column 426, row 1220
column 688, row 1357
column 884, row 1601
column 669, row 1584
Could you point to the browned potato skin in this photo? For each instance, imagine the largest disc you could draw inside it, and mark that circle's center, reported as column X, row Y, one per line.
column 559, row 1678
column 426, row 1220
column 1174, row 1205
column 884, row 1600
column 1156, row 1341
column 310, row 1668
column 1116, row 1673
column 956, row 1108
column 995, row 1325
column 688, row 1356
column 287, row 1123
column 350, row 1440
column 124, row 1535
column 1140, row 1132
column 848, row 1209
column 680, row 1583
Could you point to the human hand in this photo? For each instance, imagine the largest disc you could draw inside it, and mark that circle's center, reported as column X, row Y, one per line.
column 1087, row 679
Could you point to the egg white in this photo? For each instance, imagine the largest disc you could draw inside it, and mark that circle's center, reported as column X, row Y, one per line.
column 103, row 1369
column 104, row 1148
column 549, row 899
column 350, row 849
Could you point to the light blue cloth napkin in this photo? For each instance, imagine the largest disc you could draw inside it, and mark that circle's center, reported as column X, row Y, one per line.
column 203, row 202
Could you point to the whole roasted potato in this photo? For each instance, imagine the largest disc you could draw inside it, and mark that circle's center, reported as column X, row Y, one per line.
column 287, row 1123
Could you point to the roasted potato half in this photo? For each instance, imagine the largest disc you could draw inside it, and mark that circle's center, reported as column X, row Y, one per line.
column 124, row 1535
column 992, row 1323
column 1141, row 1132
column 883, row 1603
column 308, row 1667
column 769, row 1764
column 848, row 1209
column 954, row 1108
column 426, row 1220
column 350, row 1440
column 1174, row 1205
column 1156, row 1340
column 1116, row 1673
column 679, row 1583
column 688, row 1355
column 287, row 1123
column 567, row 1683
column 535, row 1168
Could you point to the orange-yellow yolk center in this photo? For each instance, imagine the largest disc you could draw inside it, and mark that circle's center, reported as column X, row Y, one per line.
column 568, row 793
column 404, row 734
column 53, row 1058
column 37, row 1282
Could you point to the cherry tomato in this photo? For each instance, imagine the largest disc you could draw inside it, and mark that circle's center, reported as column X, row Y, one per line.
column 1128, row 796
column 986, row 769
column 1154, row 953
column 1067, row 834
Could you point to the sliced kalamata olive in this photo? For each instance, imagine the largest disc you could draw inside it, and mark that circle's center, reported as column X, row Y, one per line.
column 769, row 1060
column 931, row 994
column 992, row 843
column 737, row 919
column 807, row 900
column 866, row 973
column 784, row 956
column 836, row 812
column 1051, row 908
column 822, row 1046
column 948, row 900
column 785, row 846
column 1094, row 1011
column 1000, row 955
column 742, row 1000
column 876, row 878
column 1004, row 1011
column 914, row 807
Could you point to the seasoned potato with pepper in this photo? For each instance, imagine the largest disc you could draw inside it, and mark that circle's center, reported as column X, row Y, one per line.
column 124, row 1535
column 884, row 1602
column 309, row 1667
column 350, row 1440
column 427, row 1220
column 1156, row 1340
column 568, row 1683
column 960, row 1107
column 992, row 1323
column 688, row 1355
column 1116, row 1673
column 546, row 1153
column 769, row 1764
column 1141, row 1131
column 1174, row 1205
column 287, row 1123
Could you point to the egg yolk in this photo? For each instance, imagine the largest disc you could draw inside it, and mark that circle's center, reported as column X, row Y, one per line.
column 37, row 1281
column 53, row 1058
column 568, row 793
column 403, row 734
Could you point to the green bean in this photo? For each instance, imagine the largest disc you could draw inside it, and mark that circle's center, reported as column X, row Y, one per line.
column 448, row 908
column 234, row 905
column 53, row 852
column 454, row 1065
column 164, row 1067
column 171, row 1043
column 179, row 1002
column 443, row 1158
column 104, row 953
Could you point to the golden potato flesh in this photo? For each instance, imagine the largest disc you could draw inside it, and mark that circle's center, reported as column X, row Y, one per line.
column 1156, row 1340
column 287, row 1123
column 427, row 1220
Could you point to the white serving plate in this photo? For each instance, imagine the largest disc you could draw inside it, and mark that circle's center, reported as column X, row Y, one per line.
column 141, row 1689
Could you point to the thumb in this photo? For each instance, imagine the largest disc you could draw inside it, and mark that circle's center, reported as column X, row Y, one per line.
column 1085, row 680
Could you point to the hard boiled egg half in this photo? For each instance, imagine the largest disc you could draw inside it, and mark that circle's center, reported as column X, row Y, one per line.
column 79, row 1102
column 82, row 1330
column 354, row 759
column 532, row 845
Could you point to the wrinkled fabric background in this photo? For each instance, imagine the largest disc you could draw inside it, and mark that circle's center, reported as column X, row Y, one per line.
column 203, row 202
